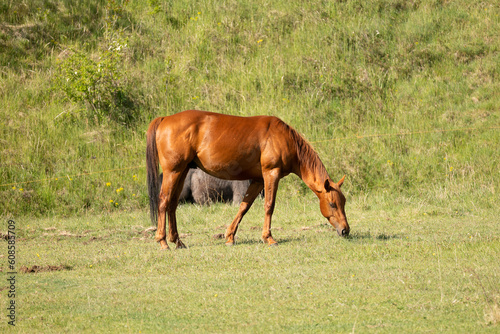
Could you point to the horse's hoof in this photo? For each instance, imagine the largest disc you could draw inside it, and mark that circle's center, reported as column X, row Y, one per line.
column 164, row 245
column 180, row 245
column 274, row 245
column 269, row 241
column 229, row 243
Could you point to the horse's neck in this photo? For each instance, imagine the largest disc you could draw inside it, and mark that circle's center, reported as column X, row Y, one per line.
column 314, row 178
column 309, row 166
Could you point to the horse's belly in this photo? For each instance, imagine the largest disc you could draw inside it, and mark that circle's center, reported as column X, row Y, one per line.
column 236, row 166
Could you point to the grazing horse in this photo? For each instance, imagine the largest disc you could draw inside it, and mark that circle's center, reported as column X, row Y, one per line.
column 262, row 149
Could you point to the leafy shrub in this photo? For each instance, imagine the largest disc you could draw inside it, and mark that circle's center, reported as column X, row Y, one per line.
column 96, row 83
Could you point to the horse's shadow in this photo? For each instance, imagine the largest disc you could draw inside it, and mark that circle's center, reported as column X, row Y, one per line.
column 358, row 236
column 254, row 241
column 367, row 235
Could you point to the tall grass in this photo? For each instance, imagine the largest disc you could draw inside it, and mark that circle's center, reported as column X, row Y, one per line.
column 330, row 69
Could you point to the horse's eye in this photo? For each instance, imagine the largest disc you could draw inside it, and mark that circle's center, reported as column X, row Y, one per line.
column 333, row 205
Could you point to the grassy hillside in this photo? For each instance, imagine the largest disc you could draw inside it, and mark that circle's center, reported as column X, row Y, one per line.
column 80, row 82
column 401, row 96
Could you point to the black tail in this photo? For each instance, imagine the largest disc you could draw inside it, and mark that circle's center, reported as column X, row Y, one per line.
column 152, row 169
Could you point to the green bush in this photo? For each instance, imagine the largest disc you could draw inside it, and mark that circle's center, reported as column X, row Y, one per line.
column 97, row 83
column 96, row 80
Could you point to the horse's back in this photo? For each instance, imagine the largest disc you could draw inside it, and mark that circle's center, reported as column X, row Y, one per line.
column 225, row 146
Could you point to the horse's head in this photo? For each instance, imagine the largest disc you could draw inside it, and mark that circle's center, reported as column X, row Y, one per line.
column 332, row 203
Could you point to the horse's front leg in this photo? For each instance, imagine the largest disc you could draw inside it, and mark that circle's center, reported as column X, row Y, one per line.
column 271, row 180
column 252, row 192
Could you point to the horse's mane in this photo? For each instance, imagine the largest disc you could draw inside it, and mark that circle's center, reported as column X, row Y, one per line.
column 306, row 154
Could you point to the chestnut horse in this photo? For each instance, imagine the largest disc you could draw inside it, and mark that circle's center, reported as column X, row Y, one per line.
column 262, row 149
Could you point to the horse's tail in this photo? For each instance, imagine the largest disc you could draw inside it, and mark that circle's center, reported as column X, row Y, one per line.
column 152, row 161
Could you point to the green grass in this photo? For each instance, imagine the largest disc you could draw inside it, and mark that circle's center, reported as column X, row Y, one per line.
column 349, row 75
column 331, row 70
column 407, row 267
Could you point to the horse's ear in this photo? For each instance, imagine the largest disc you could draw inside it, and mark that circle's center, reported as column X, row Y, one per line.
column 328, row 187
column 341, row 181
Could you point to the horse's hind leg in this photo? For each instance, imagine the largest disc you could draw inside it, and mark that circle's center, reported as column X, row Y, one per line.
column 160, row 231
column 169, row 198
column 252, row 192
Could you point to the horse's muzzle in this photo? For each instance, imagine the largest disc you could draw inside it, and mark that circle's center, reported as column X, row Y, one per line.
column 343, row 232
column 342, row 229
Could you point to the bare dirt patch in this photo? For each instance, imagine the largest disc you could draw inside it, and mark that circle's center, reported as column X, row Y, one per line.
column 36, row 269
column 68, row 234
column 92, row 239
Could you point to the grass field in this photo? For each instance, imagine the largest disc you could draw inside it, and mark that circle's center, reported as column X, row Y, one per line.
column 401, row 96
column 404, row 269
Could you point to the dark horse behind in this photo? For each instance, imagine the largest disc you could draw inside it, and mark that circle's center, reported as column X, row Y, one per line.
column 262, row 149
